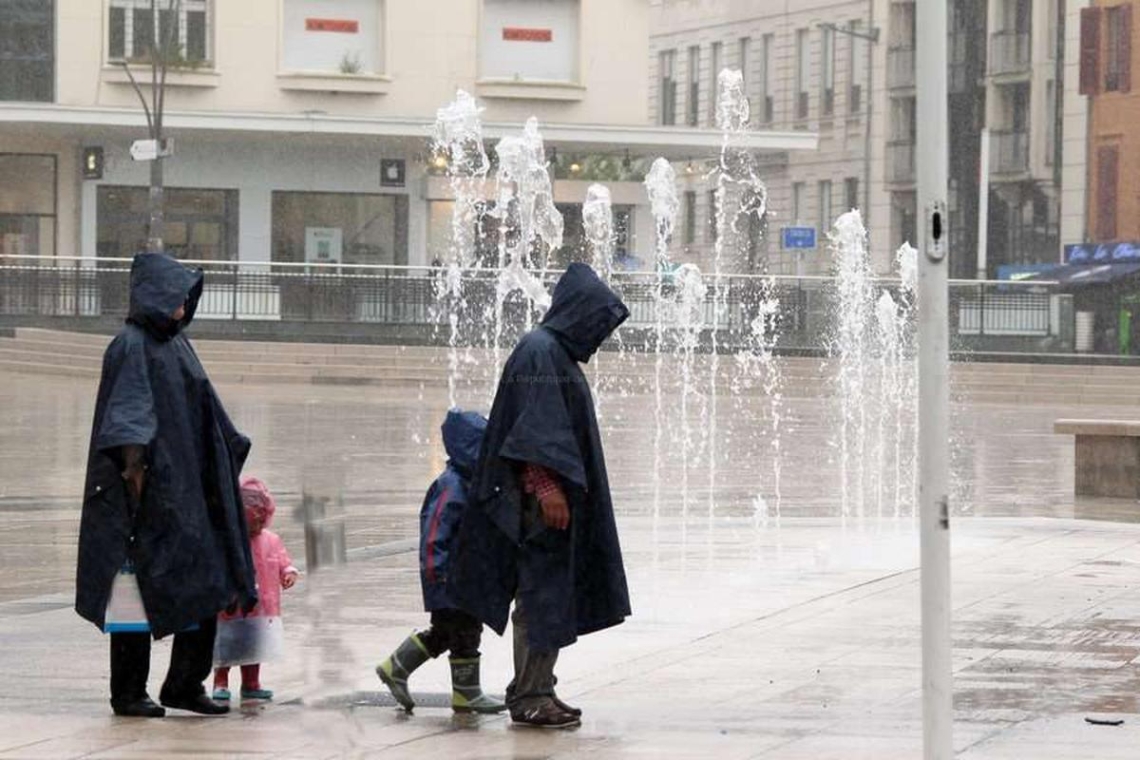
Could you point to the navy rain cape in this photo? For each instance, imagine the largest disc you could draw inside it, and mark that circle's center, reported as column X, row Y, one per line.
column 190, row 548
column 445, row 503
column 570, row 582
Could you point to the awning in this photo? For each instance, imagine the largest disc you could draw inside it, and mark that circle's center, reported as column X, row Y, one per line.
column 1084, row 275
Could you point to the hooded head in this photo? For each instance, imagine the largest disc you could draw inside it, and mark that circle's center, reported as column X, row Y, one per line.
column 259, row 504
column 463, row 437
column 583, row 312
column 159, row 287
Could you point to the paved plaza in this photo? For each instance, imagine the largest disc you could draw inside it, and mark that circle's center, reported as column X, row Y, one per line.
column 753, row 636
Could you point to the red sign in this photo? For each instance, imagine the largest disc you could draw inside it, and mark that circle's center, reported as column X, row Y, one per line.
column 331, row 25
column 518, row 34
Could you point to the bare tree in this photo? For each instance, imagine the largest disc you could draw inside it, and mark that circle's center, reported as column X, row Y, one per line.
column 165, row 50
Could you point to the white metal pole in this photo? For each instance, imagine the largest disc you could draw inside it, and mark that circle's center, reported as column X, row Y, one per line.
column 984, row 205
column 933, row 380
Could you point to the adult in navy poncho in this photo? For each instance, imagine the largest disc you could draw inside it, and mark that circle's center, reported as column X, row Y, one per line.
column 162, row 493
column 542, row 453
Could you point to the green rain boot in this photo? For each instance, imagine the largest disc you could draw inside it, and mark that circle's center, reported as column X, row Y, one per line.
column 395, row 670
column 466, row 694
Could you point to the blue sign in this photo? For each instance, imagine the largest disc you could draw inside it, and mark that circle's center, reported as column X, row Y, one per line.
column 799, row 238
column 1102, row 253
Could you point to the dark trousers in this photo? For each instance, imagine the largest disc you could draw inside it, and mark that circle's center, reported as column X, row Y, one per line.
column 534, row 678
column 190, row 663
column 453, row 631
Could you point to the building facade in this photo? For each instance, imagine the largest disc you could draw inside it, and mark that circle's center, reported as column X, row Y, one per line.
column 300, row 121
column 847, row 70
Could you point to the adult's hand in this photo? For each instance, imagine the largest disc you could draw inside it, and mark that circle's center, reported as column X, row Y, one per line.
column 555, row 511
column 289, row 580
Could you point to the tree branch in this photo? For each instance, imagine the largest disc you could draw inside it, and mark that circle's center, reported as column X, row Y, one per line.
column 142, row 98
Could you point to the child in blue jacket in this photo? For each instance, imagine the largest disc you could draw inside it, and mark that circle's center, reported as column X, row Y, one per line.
column 452, row 630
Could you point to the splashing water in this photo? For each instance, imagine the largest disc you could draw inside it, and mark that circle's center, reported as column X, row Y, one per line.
column 598, row 222
column 459, row 140
column 906, row 259
column 688, row 319
column 853, row 312
column 661, row 187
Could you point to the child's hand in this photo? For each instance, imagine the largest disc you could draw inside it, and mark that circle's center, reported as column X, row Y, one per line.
column 289, row 580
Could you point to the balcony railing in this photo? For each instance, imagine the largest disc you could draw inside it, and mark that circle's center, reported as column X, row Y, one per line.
column 1009, row 53
column 900, row 162
column 900, row 68
column 1009, row 152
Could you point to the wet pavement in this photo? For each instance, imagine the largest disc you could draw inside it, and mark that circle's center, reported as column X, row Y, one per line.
column 753, row 635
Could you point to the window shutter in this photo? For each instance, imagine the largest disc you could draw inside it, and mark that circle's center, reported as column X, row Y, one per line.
column 1125, row 48
column 1107, row 174
column 1090, row 51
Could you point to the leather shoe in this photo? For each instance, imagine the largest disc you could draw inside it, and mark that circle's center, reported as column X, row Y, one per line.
column 143, row 707
column 195, row 703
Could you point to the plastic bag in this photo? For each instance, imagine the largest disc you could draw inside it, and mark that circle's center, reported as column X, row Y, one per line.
column 248, row 641
column 125, row 611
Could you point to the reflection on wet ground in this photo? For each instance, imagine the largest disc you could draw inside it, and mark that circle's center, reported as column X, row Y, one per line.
column 751, row 636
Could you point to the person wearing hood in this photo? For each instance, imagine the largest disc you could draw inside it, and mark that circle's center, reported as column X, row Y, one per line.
column 452, row 630
column 162, row 496
column 542, row 531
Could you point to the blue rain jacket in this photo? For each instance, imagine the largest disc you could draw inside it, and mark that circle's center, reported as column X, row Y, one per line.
column 445, row 504
column 190, row 545
column 570, row 582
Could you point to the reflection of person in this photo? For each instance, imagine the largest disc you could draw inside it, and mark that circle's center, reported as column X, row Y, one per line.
column 542, row 529
column 452, row 630
column 162, row 495
column 247, row 640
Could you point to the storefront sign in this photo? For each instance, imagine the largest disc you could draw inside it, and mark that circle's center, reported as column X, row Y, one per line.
column 798, row 238
column 1103, row 253
column 331, row 25
column 391, row 172
column 520, row 34
column 323, row 245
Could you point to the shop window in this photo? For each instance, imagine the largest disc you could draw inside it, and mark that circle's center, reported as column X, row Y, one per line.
column 334, row 36
column 340, row 228
column 27, row 50
column 529, row 41
column 27, row 204
column 132, row 30
column 200, row 225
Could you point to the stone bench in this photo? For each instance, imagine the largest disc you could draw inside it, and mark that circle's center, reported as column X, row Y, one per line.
column 1107, row 456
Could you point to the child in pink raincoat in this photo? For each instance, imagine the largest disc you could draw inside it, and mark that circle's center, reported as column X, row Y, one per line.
column 252, row 639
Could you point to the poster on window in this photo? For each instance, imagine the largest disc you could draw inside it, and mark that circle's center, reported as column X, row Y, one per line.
column 323, row 245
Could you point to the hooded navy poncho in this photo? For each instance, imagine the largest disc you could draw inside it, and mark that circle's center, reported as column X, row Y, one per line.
column 570, row 582
column 190, row 547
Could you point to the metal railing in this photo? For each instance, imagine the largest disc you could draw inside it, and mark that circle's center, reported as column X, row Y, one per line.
column 1009, row 53
column 1009, row 152
column 44, row 291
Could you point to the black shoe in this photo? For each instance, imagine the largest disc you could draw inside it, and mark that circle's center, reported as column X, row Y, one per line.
column 195, row 703
column 544, row 715
column 143, row 707
column 576, row 712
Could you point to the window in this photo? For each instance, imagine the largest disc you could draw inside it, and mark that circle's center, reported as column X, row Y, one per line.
column 694, row 85
column 199, row 224
column 27, row 51
column 690, row 217
column 523, row 40
column 798, row 201
column 1050, row 122
column 850, row 194
column 1107, row 176
column 803, row 65
column 827, row 71
column 1090, row 51
column 825, row 205
column 27, row 204
column 713, row 229
column 667, row 64
column 904, row 124
column 857, row 67
column 716, row 56
column 1118, row 49
column 348, row 228
column 767, row 95
column 131, row 29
